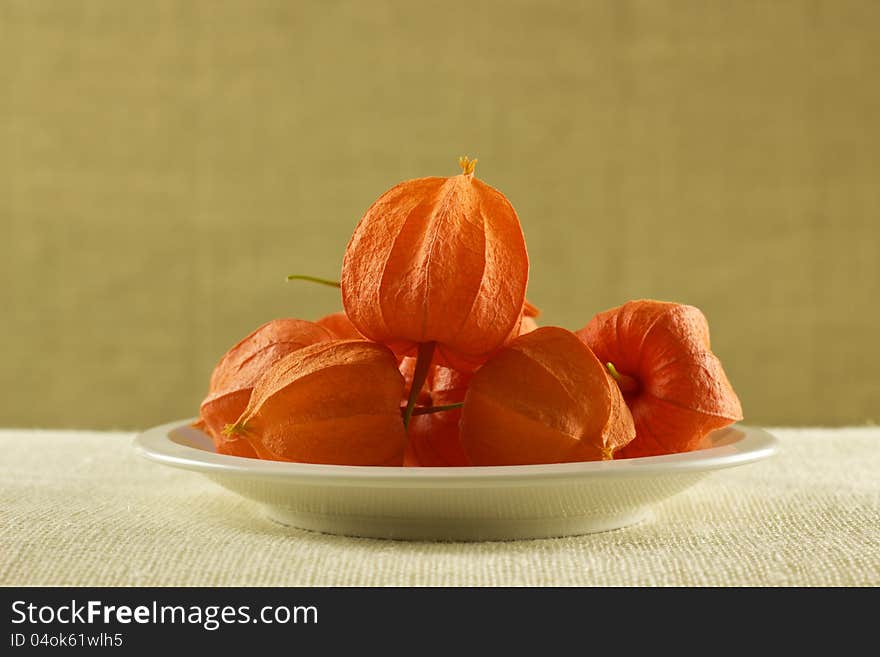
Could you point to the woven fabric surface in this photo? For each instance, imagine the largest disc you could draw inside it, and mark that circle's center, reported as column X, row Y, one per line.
column 82, row 508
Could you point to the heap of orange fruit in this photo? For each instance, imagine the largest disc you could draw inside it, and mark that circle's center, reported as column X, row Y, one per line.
column 437, row 359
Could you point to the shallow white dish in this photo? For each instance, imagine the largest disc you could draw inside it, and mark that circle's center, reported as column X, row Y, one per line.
column 469, row 504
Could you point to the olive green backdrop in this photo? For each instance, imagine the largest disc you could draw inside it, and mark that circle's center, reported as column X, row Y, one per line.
column 164, row 164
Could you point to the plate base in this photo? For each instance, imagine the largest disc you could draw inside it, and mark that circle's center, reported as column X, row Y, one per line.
column 438, row 529
column 457, row 504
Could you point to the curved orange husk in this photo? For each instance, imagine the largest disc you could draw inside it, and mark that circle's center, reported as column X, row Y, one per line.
column 526, row 323
column 340, row 326
column 543, row 398
column 234, row 376
column 336, row 402
column 433, row 438
column 437, row 260
column 673, row 384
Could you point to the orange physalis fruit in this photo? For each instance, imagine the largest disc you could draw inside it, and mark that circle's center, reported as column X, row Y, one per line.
column 543, row 398
column 527, row 323
column 340, row 326
column 235, row 374
column 336, row 402
column 673, row 384
column 433, row 437
column 438, row 261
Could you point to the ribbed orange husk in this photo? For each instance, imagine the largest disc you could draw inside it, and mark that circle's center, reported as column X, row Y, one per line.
column 336, row 402
column 233, row 377
column 340, row 326
column 543, row 398
column 433, row 438
column 437, row 260
column 681, row 392
column 526, row 322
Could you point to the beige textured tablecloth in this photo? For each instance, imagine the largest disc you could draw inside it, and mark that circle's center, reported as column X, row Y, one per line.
column 79, row 508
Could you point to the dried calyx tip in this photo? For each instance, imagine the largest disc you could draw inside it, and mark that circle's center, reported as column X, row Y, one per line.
column 231, row 429
column 467, row 165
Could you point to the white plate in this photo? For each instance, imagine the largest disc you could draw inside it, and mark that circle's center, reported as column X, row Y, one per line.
column 473, row 503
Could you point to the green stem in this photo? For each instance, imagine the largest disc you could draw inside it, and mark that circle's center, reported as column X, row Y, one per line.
column 423, row 365
column 313, row 279
column 425, row 410
column 627, row 384
column 613, row 370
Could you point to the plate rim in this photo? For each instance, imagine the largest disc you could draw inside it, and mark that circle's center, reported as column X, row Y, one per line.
column 155, row 444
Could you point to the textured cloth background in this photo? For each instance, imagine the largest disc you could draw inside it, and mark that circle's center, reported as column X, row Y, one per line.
column 84, row 509
column 165, row 163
